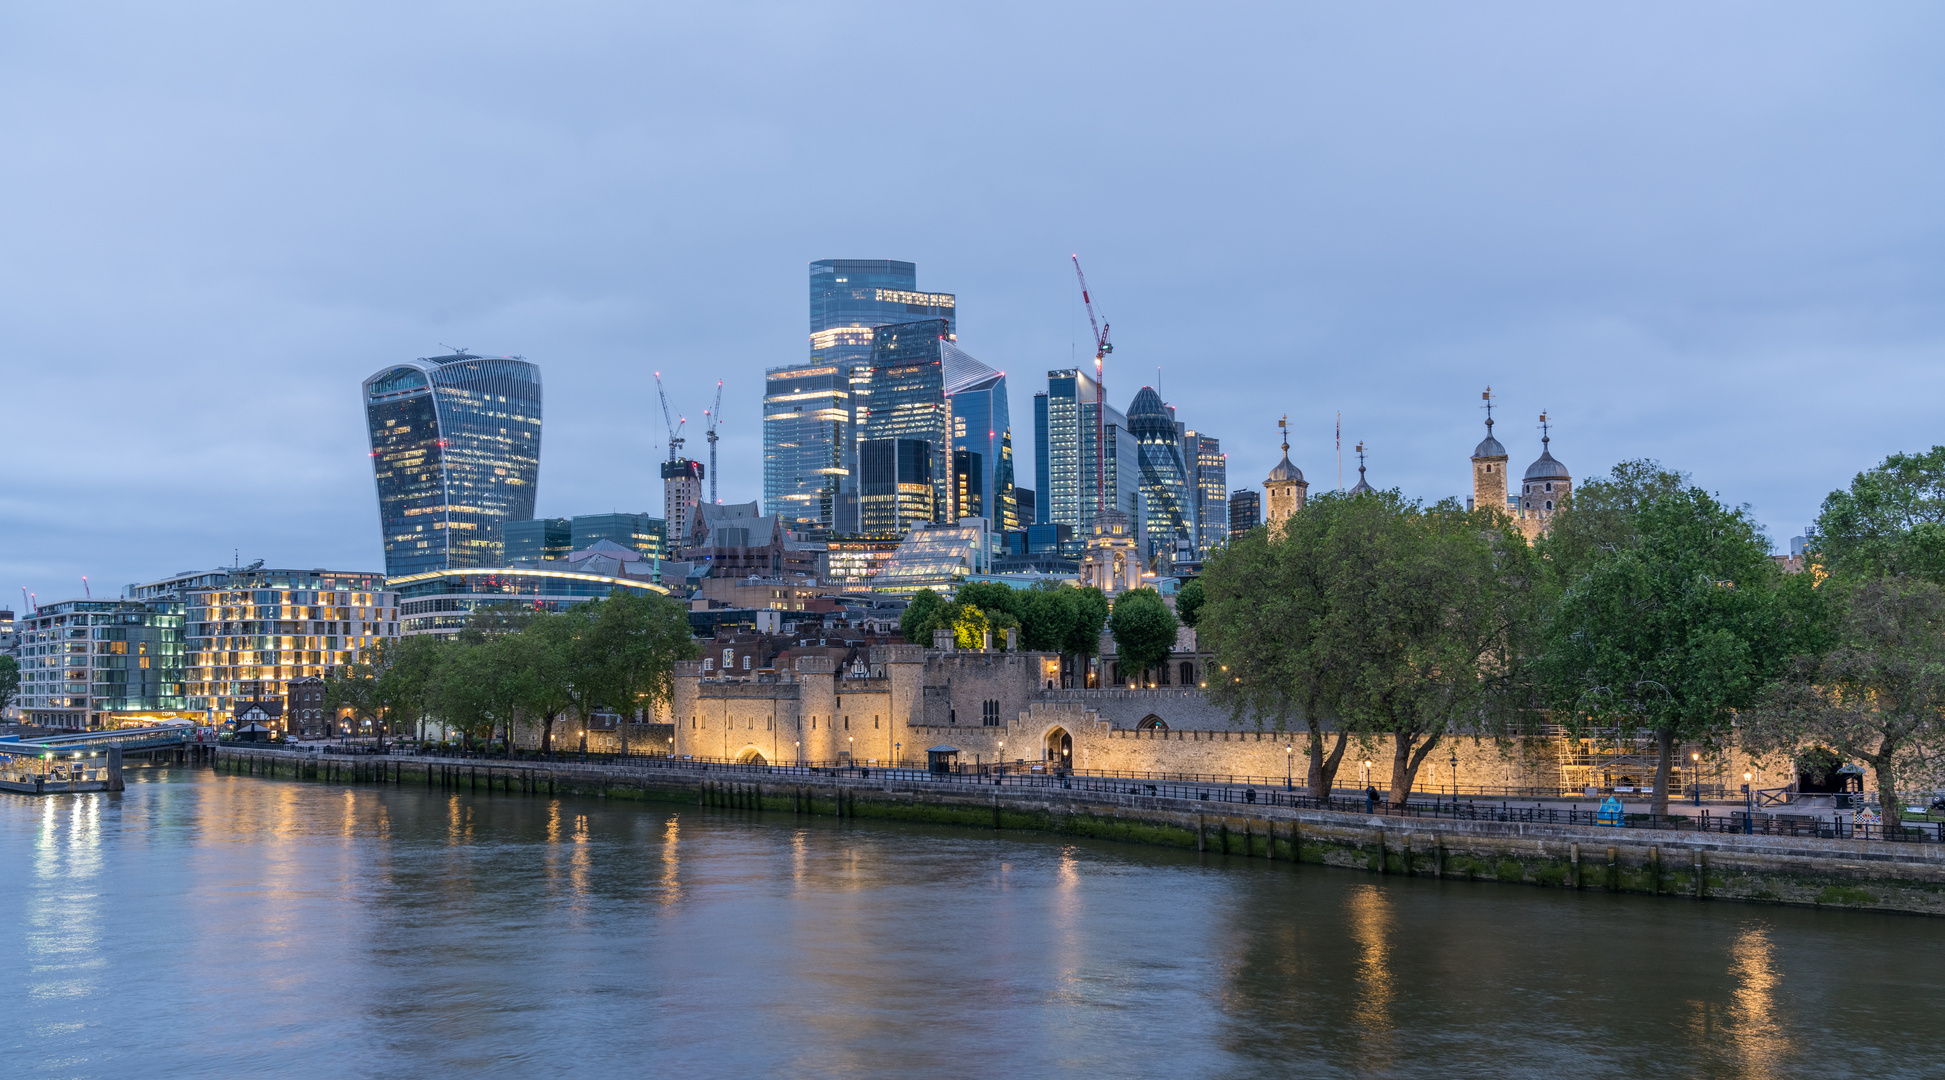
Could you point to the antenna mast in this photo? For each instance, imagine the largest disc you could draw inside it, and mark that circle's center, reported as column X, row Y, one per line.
column 1101, row 350
column 711, row 417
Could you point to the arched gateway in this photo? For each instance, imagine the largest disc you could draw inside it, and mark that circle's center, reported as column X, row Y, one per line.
column 1060, row 748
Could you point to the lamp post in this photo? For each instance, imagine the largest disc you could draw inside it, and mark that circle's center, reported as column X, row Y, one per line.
column 1748, row 805
column 1455, row 777
column 1289, row 767
column 1370, row 800
column 897, row 754
column 800, row 751
column 1694, row 774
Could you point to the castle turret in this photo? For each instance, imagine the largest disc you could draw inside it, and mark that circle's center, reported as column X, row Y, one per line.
column 1545, row 484
column 1285, row 488
column 1489, row 465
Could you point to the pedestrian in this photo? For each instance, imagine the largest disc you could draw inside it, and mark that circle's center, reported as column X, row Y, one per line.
column 1371, row 798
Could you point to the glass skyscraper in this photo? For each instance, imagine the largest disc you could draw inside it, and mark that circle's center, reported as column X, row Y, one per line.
column 1064, row 455
column 908, row 405
column 1211, row 481
column 982, row 425
column 455, row 448
column 849, row 299
column 1165, row 477
column 807, row 443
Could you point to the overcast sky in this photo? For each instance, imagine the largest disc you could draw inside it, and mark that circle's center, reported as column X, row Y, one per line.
column 1708, row 234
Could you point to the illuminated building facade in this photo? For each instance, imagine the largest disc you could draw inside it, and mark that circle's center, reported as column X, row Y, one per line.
column 537, row 540
column 937, row 556
column 1245, row 511
column 1065, row 455
column 908, row 407
column 1166, row 488
column 681, row 495
column 455, row 449
column 251, row 636
column 807, row 443
column 439, row 601
column 982, row 426
column 1210, row 468
column 849, row 299
column 87, row 664
column 641, row 533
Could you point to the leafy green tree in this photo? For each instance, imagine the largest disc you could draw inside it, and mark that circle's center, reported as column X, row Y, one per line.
column 1679, row 623
column 1876, row 695
column 994, row 598
column 478, row 686
column 1431, row 605
column 353, row 688
column 1143, row 630
column 549, row 655
column 1188, row 601
column 405, row 669
column 1601, row 517
column 969, row 625
column 921, row 617
column 9, row 681
column 639, row 640
column 1090, row 618
column 1050, row 612
column 1890, row 521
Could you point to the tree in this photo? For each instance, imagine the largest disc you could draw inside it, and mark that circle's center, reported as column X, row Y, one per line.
column 1143, row 629
column 1084, row 635
column 1265, row 604
column 1430, row 605
column 405, row 671
column 548, row 656
column 921, row 617
column 1668, row 631
column 9, row 681
column 478, row 685
column 1601, row 517
column 1048, row 616
column 1876, row 695
column 968, row 624
column 1188, row 601
column 1890, row 521
column 640, row 639
column 354, row 687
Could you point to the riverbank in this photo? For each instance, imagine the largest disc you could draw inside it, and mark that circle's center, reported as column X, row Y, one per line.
column 1805, row 871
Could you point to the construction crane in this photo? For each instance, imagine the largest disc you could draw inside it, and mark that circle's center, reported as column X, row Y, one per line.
column 711, row 417
column 669, row 421
column 1101, row 350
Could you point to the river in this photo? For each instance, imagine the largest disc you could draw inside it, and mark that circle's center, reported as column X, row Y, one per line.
column 207, row 924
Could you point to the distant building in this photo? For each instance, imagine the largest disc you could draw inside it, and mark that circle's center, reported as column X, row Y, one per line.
column 681, row 494
column 1545, row 484
column 537, row 540
column 1065, row 467
column 937, row 557
column 982, row 426
column 640, row 533
column 854, row 561
column 1026, row 506
column 455, row 449
column 1284, row 490
column 1210, row 480
column 439, row 602
column 1167, row 493
column 250, row 635
column 90, row 664
column 908, row 430
column 304, row 713
column 1245, row 511
column 735, row 540
column 1113, row 561
column 809, row 448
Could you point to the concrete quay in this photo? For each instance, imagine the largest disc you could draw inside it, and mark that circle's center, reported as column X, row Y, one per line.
column 1806, row 871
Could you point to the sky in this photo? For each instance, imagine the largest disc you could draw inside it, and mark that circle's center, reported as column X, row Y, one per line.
column 1704, row 234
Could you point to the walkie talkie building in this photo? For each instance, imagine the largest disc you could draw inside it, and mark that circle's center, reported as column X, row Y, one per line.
column 455, row 449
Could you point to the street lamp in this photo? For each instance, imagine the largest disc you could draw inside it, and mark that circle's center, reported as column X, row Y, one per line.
column 897, row 754
column 800, row 751
column 1748, row 805
column 1289, row 767
column 1455, row 778
column 1694, row 772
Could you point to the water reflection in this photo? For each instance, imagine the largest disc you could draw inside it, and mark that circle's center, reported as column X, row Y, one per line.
column 232, row 926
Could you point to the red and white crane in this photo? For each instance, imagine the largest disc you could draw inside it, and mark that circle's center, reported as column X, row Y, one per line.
column 1101, row 349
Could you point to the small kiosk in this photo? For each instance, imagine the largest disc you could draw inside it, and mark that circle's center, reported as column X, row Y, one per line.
column 942, row 760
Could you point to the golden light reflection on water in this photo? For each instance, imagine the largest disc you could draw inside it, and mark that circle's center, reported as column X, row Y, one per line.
column 1761, row 1043
column 64, row 917
column 672, row 862
column 1069, row 921
column 1370, row 919
column 582, row 859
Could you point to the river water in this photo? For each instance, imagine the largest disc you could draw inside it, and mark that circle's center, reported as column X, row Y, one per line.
column 205, row 924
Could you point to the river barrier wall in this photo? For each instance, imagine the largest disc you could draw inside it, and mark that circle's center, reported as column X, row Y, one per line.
column 1868, row 875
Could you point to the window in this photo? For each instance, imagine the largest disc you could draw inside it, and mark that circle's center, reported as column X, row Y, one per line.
column 746, row 663
column 989, row 713
column 1549, row 504
column 1549, row 485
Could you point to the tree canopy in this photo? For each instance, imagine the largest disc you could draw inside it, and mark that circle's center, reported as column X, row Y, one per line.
column 1143, row 630
column 1890, row 521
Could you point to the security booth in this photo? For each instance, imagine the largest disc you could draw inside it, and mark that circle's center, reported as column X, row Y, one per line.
column 253, row 733
column 942, row 760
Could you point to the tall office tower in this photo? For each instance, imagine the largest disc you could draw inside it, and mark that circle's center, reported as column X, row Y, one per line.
column 455, row 448
column 982, row 424
column 1065, row 455
column 806, row 427
column 966, row 493
column 849, row 298
column 681, row 494
column 1245, row 511
column 908, row 404
column 1164, row 477
column 1211, row 480
column 1040, row 461
column 537, row 541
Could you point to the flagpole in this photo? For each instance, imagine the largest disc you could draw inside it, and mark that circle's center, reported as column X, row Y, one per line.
column 1340, row 452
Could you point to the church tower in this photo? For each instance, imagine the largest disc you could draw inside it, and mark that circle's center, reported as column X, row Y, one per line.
column 1285, row 488
column 1546, row 483
column 1489, row 465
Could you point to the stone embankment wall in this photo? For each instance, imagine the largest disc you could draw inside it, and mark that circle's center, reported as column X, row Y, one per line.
column 1870, row 875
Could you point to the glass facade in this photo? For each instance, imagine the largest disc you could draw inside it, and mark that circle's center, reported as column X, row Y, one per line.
column 1065, row 455
column 440, row 601
column 807, row 440
column 101, row 663
column 455, row 448
column 1211, row 468
column 537, row 540
column 1245, row 511
column 908, row 405
column 1041, row 464
column 936, row 556
column 896, row 491
column 1165, row 477
column 849, row 299
column 983, row 425
column 636, row 532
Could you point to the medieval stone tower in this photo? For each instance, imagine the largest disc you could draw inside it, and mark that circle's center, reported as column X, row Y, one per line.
column 1285, row 488
column 1546, row 483
column 1489, row 465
